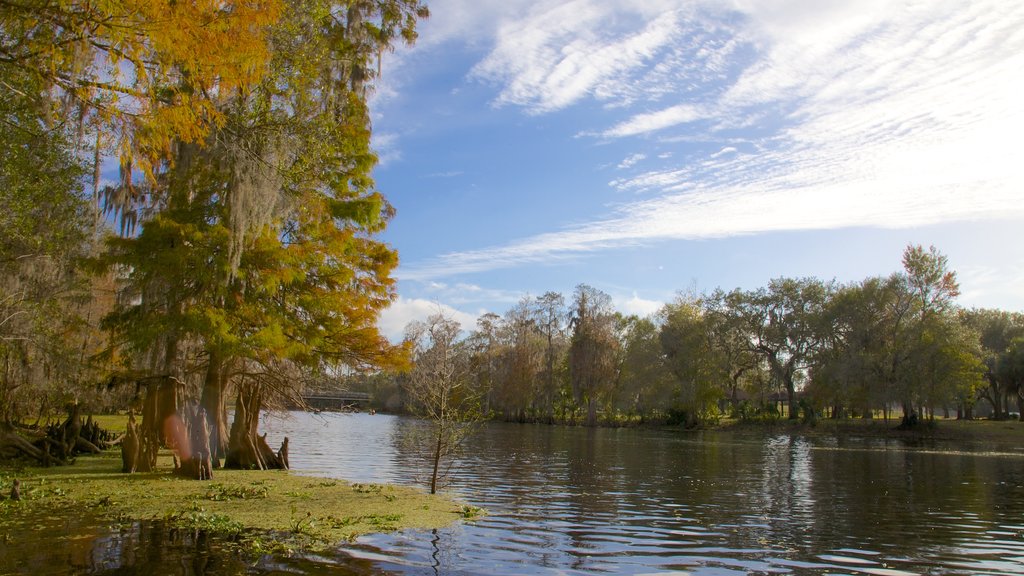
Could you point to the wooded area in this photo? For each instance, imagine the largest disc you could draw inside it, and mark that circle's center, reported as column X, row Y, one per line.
column 234, row 255
column 886, row 347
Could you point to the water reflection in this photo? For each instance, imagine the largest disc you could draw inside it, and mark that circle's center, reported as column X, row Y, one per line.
column 584, row 501
column 573, row 500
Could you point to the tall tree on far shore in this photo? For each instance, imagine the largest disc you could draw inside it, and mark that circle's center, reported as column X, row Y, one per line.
column 784, row 322
column 593, row 349
column 550, row 313
column 999, row 331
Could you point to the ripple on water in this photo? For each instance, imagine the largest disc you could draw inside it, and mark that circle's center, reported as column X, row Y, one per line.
column 576, row 501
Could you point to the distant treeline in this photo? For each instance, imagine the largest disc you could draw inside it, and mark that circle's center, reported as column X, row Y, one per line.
column 895, row 346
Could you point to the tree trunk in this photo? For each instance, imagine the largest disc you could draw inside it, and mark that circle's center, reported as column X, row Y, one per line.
column 910, row 417
column 437, row 459
column 246, row 449
column 794, row 409
column 11, row 444
column 159, row 414
column 997, row 403
column 214, row 406
column 130, row 447
column 194, row 453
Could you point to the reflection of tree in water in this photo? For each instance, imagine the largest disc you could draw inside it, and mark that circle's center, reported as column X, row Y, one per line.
column 82, row 544
column 590, row 500
column 786, row 496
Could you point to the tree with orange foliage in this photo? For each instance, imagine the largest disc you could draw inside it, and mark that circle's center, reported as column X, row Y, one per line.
column 260, row 265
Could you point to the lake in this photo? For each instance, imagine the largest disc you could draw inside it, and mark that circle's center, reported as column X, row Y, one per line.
column 642, row 501
column 566, row 500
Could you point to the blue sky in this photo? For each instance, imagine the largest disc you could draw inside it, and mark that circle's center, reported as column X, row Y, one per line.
column 646, row 147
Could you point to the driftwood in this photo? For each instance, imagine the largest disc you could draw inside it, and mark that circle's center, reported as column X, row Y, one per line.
column 83, row 445
column 13, row 445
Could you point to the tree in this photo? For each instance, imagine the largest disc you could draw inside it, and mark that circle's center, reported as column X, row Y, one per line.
column 997, row 331
column 593, row 348
column 260, row 259
column 520, row 362
column 485, row 350
column 46, row 230
column 730, row 339
column 144, row 73
column 784, row 323
column 550, row 313
column 438, row 389
column 1010, row 369
column 645, row 383
column 863, row 348
column 931, row 288
column 688, row 346
column 946, row 364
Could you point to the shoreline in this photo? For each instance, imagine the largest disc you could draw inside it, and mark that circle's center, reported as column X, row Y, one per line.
column 260, row 511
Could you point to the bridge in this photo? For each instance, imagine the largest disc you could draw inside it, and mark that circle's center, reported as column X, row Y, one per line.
column 343, row 400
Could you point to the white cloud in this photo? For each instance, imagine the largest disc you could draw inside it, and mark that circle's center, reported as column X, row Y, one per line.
column 653, row 121
column 631, row 161
column 561, row 52
column 862, row 114
column 385, row 145
column 636, row 305
column 393, row 320
column 448, row 174
column 988, row 284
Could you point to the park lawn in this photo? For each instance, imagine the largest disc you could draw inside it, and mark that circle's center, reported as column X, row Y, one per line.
column 264, row 508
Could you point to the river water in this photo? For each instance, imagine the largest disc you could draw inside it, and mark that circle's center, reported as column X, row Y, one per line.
column 625, row 501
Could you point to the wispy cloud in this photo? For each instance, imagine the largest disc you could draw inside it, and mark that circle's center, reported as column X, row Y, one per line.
column 653, row 121
column 988, row 284
column 448, row 174
column 386, row 146
column 860, row 114
column 562, row 52
column 631, row 161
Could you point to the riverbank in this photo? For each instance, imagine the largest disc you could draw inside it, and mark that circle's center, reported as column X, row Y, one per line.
column 1000, row 432
column 259, row 510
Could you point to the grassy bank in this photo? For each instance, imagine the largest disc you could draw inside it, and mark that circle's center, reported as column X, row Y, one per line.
column 261, row 509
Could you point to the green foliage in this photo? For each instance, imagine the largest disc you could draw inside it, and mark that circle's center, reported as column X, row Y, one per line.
column 195, row 517
column 645, row 379
column 46, row 227
column 256, row 490
column 593, row 349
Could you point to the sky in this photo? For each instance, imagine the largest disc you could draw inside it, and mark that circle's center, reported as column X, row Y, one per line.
column 649, row 147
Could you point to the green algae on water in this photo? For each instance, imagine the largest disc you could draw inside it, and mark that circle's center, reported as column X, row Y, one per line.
column 270, row 509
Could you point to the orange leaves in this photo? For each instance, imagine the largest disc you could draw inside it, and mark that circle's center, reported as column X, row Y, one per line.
column 158, row 66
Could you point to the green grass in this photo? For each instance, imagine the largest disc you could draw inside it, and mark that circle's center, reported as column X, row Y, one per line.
column 276, row 507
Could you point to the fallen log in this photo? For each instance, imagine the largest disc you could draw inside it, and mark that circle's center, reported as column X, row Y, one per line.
column 83, row 445
column 13, row 445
